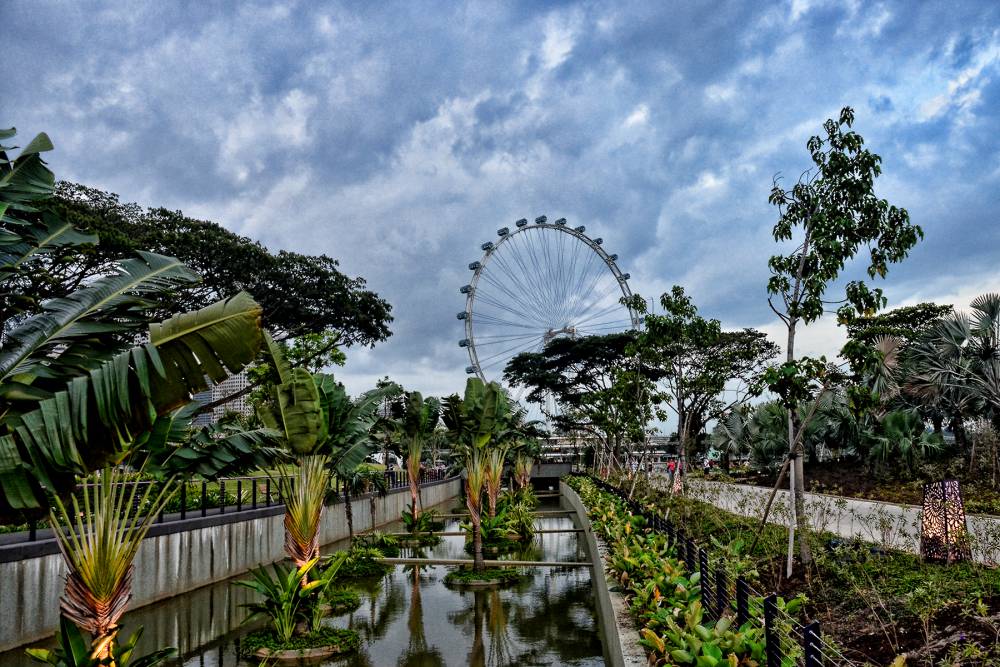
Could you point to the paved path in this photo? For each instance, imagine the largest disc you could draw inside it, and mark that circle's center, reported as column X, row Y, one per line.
column 887, row 524
column 468, row 561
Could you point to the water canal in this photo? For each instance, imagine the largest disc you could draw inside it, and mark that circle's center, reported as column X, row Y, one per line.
column 410, row 618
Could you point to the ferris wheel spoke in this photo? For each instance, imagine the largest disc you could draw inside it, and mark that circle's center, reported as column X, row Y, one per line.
column 502, row 306
column 528, row 308
column 514, row 278
column 601, row 302
column 490, row 319
column 482, row 341
column 584, row 284
column 538, row 264
column 531, row 275
column 504, row 354
column 599, row 314
column 599, row 274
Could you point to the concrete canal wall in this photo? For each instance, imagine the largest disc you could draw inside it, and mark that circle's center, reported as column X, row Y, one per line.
column 177, row 559
column 621, row 639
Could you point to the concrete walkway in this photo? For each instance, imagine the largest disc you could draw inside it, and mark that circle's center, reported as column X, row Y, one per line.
column 889, row 525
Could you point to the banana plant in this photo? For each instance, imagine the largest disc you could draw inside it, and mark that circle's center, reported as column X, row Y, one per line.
column 416, row 417
column 326, row 432
column 74, row 397
column 284, row 600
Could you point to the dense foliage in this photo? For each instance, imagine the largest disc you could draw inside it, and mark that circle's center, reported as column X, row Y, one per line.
column 300, row 294
column 664, row 596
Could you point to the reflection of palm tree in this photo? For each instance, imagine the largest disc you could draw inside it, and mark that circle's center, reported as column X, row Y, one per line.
column 477, row 656
column 417, row 654
column 499, row 639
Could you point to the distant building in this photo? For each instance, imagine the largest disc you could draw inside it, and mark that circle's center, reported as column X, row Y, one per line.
column 229, row 386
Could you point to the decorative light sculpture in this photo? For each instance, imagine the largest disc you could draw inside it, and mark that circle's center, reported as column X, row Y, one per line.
column 944, row 535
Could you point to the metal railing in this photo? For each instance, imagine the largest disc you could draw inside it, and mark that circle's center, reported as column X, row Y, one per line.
column 784, row 637
column 221, row 496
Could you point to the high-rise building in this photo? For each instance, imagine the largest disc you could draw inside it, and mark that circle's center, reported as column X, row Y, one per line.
column 228, row 387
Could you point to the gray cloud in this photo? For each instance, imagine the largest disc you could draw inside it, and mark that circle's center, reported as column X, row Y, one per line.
column 397, row 137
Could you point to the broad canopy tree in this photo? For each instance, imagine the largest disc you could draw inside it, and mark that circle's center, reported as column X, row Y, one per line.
column 598, row 384
column 299, row 294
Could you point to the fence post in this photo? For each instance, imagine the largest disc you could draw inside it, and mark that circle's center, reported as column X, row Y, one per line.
column 772, row 650
column 239, row 494
column 267, row 490
column 33, row 531
column 706, row 593
column 222, row 496
column 184, row 499
column 253, row 494
column 721, row 592
column 742, row 601
column 811, row 643
column 204, row 498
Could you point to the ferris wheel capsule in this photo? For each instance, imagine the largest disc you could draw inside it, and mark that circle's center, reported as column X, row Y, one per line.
column 474, row 266
column 581, row 229
column 522, row 222
column 503, row 231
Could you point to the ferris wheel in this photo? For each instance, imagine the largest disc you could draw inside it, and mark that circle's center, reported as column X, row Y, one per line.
column 535, row 283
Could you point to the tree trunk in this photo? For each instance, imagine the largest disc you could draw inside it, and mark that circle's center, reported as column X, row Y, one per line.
column 349, row 512
column 797, row 442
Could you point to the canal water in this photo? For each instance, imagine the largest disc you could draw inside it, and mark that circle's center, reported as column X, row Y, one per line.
column 409, row 618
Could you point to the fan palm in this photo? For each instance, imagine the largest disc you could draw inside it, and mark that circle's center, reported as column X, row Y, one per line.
column 731, row 435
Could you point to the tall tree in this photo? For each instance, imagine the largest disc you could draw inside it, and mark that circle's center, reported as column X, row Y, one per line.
column 300, row 294
column 475, row 422
column 829, row 215
column 697, row 361
column 327, row 433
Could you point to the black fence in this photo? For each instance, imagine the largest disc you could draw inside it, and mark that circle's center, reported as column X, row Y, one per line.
column 221, row 496
column 787, row 642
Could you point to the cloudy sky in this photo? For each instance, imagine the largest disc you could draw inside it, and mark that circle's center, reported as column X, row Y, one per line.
column 397, row 137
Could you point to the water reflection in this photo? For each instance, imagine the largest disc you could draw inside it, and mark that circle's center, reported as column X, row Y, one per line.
column 409, row 618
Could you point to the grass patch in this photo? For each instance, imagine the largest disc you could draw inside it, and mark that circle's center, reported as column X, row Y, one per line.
column 347, row 640
column 467, row 575
column 342, row 600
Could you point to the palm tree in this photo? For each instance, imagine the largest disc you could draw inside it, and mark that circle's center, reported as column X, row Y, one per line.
column 731, row 435
column 416, row 418
column 475, row 421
